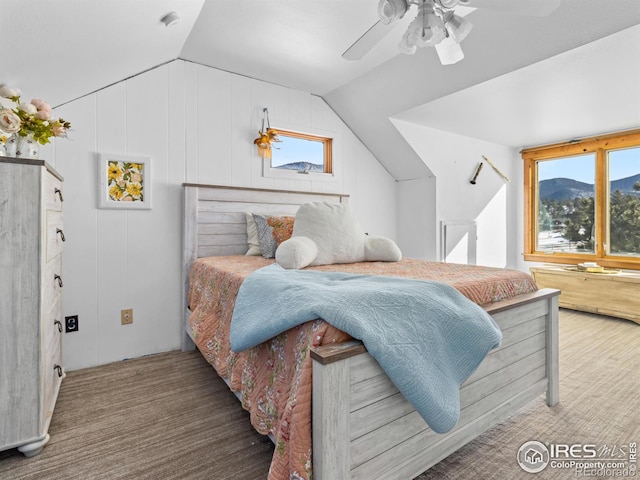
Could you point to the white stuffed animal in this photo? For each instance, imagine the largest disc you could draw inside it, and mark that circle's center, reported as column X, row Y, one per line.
column 326, row 233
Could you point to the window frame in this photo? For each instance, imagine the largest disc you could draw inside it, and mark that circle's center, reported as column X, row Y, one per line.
column 599, row 145
column 270, row 171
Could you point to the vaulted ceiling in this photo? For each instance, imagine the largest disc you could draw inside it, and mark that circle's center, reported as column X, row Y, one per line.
column 65, row 49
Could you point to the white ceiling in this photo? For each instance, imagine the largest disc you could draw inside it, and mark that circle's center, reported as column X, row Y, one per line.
column 295, row 43
column 64, row 49
column 566, row 97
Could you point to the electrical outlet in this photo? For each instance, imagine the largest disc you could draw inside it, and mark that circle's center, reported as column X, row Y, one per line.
column 126, row 316
column 71, row 323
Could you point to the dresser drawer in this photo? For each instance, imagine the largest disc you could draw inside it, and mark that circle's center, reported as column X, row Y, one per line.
column 52, row 375
column 53, row 197
column 52, row 326
column 55, row 234
column 52, row 283
column 49, row 360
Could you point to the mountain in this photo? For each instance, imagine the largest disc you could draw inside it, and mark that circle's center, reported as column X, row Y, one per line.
column 303, row 166
column 567, row 189
column 564, row 189
column 625, row 185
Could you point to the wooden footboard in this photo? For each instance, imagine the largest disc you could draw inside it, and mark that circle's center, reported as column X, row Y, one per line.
column 363, row 428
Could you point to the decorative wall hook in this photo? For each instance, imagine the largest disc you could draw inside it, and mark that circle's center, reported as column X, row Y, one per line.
column 266, row 137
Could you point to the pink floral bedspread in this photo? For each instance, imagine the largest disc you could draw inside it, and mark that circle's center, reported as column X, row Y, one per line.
column 274, row 378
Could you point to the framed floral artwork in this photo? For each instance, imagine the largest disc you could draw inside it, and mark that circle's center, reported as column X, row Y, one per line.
column 125, row 181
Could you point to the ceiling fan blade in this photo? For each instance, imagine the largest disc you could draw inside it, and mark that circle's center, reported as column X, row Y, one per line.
column 366, row 42
column 536, row 8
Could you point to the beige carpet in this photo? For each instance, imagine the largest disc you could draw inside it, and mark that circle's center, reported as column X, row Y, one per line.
column 160, row 417
column 599, row 404
column 168, row 416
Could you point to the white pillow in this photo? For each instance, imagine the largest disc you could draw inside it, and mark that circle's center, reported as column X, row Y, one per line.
column 381, row 249
column 297, row 252
column 327, row 233
column 334, row 229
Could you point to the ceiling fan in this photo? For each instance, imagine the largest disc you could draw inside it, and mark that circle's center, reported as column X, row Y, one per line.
column 438, row 24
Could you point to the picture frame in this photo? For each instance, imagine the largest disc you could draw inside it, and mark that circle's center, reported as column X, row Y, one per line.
column 125, row 182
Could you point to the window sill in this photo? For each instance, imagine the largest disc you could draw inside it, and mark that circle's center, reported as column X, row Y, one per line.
column 269, row 172
column 569, row 259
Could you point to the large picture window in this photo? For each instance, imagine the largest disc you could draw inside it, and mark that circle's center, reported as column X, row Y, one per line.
column 582, row 201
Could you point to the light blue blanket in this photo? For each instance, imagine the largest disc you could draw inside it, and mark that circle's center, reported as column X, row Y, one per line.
column 426, row 335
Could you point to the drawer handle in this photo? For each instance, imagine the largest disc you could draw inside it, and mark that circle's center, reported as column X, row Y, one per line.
column 59, row 369
column 61, row 233
column 59, row 192
column 59, row 278
column 59, row 324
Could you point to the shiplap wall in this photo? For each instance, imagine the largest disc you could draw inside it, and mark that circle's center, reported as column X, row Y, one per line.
column 197, row 124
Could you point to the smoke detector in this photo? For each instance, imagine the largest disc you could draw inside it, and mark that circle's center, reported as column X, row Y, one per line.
column 171, row 19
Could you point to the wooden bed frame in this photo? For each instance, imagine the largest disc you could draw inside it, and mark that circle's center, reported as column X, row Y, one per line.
column 363, row 428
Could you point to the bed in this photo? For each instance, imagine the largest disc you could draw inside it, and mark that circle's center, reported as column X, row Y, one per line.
column 361, row 426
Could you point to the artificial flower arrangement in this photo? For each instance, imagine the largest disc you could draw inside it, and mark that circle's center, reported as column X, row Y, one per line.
column 265, row 141
column 29, row 119
column 266, row 137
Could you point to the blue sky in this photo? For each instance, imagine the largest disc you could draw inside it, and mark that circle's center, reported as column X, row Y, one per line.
column 622, row 164
column 296, row 150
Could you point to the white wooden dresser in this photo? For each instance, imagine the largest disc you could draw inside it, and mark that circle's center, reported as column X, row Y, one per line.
column 31, row 238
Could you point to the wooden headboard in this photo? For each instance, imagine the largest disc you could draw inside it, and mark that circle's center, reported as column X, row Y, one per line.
column 214, row 222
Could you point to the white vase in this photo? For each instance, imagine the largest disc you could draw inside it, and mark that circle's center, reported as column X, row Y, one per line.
column 22, row 147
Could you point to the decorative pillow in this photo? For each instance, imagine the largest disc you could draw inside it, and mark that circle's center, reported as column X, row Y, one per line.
column 335, row 230
column 381, row 249
column 252, row 236
column 282, row 228
column 297, row 252
column 337, row 237
column 272, row 230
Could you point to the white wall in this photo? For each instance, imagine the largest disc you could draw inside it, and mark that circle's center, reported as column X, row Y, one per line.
column 492, row 202
column 197, row 124
column 417, row 206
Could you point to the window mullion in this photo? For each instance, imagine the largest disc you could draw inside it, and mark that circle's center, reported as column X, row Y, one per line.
column 601, row 204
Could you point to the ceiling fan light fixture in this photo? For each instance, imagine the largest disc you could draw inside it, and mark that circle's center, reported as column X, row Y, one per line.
column 449, row 51
column 448, row 3
column 458, row 27
column 391, row 10
column 404, row 46
column 427, row 29
column 437, row 26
